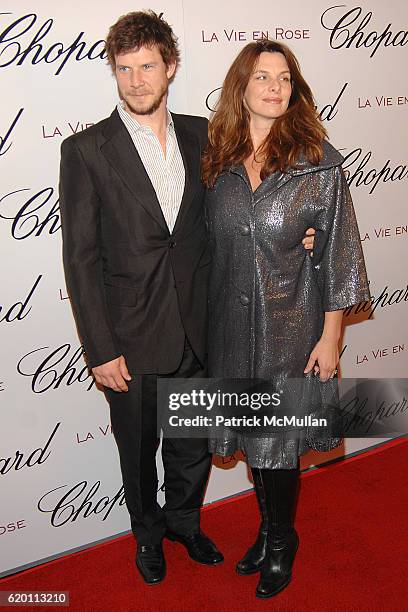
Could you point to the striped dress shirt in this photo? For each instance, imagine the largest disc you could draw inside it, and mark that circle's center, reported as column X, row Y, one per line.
column 166, row 172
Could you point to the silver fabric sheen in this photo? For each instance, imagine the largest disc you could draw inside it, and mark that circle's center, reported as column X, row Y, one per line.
column 267, row 295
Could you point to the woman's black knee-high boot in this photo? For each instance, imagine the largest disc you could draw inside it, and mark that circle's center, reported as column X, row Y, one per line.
column 281, row 491
column 253, row 559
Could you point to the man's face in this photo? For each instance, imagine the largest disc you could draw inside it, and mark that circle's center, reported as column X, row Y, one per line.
column 143, row 80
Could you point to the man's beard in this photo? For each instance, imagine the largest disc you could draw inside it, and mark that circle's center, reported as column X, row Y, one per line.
column 147, row 110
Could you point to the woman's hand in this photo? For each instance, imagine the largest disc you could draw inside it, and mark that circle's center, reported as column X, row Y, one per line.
column 324, row 359
column 308, row 240
column 325, row 355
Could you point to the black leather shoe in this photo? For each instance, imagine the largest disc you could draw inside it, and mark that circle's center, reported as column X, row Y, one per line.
column 151, row 563
column 276, row 573
column 199, row 547
column 254, row 558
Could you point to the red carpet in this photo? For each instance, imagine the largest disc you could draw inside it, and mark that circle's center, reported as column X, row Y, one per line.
column 352, row 524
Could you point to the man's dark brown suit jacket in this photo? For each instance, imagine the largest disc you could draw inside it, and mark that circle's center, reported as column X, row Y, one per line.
column 135, row 289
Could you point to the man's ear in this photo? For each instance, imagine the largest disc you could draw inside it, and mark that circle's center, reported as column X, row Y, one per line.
column 171, row 70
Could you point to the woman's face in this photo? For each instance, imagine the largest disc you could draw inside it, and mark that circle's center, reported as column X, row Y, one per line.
column 269, row 89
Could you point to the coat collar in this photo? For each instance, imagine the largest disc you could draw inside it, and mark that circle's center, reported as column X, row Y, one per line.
column 120, row 152
column 331, row 158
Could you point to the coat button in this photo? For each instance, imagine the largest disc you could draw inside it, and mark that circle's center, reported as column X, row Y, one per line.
column 245, row 230
column 244, row 299
column 172, row 244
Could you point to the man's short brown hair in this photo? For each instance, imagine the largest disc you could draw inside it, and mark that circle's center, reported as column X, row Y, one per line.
column 142, row 29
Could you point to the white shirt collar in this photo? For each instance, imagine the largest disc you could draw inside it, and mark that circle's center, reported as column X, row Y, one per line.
column 139, row 126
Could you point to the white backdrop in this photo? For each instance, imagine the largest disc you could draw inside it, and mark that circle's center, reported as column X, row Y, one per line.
column 60, row 483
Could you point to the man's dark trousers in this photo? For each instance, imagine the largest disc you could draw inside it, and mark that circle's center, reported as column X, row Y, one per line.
column 186, row 461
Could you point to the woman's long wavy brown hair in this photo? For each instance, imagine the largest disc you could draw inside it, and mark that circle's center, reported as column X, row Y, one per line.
column 298, row 131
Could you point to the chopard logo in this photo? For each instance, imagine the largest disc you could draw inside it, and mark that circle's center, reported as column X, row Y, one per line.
column 27, row 40
column 358, row 171
column 386, row 298
column 351, row 29
column 58, row 368
column 19, row 310
column 36, row 215
column 20, row 459
column 80, row 501
column 4, row 144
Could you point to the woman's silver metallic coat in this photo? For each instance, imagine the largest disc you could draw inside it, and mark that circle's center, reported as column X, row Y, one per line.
column 267, row 294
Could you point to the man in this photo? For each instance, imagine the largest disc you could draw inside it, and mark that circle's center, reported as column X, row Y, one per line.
column 136, row 264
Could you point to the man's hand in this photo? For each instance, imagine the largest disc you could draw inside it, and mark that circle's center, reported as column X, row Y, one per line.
column 113, row 374
column 308, row 240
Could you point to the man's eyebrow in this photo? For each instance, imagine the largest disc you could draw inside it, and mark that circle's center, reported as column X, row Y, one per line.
column 143, row 64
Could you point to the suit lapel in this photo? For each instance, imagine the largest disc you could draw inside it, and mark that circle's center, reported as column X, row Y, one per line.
column 122, row 155
column 190, row 152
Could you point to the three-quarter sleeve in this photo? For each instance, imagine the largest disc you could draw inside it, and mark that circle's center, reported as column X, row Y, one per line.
column 338, row 254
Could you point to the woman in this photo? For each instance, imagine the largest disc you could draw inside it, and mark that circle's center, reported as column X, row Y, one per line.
column 275, row 312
